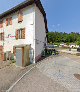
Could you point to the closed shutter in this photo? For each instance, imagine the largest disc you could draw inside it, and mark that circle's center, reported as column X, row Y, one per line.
column 10, row 21
column 17, row 34
column 7, row 22
column 1, row 48
column 20, row 16
column 3, row 36
column 23, row 33
column 1, row 24
column 0, row 36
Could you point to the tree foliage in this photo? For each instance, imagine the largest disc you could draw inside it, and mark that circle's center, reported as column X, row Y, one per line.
column 63, row 37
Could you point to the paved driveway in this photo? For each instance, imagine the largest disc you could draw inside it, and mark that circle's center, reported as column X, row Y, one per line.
column 62, row 70
column 8, row 74
column 55, row 74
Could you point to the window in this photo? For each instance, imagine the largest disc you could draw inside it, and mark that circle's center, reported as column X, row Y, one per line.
column 20, row 16
column 20, row 34
column 9, row 21
column 1, row 36
column 1, row 24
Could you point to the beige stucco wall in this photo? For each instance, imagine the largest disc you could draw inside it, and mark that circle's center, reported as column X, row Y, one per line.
column 40, row 32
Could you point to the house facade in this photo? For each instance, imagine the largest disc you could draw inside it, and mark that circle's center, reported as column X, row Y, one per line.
column 26, row 23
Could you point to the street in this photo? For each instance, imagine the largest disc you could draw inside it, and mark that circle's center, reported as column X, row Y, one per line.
column 54, row 74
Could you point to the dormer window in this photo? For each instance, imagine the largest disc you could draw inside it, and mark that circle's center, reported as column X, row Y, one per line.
column 9, row 21
column 20, row 16
column 1, row 24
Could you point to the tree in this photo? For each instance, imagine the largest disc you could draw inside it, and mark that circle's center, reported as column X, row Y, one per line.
column 58, row 37
column 78, row 43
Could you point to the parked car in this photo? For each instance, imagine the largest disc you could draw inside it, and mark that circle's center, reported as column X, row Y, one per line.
column 78, row 49
column 50, row 46
column 50, row 49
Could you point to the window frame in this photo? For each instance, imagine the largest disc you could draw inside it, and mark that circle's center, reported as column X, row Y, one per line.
column 20, row 16
column 8, row 21
column 19, row 33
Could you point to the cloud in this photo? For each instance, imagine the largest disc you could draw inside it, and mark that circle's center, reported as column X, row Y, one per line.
column 58, row 25
column 53, row 25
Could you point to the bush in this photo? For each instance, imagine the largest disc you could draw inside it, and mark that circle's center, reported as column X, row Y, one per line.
column 13, row 61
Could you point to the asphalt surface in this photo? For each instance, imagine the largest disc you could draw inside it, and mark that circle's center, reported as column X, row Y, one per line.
column 9, row 73
column 35, row 81
column 55, row 74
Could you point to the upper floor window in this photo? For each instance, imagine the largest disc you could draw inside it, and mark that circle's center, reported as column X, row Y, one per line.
column 1, row 36
column 20, row 34
column 9, row 21
column 20, row 16
column 1, row 24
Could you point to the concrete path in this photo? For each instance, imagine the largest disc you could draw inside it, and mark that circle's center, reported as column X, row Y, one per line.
column 55, row 74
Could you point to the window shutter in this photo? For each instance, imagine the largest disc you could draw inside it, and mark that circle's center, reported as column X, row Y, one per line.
column 1, row 24
column 20, row 16
column 7, row 22
column 23, row 33
column 10, row 21
column 17, row 34
column 1, row 48
column 14, row 51
column 0, row 36
column 3, row 36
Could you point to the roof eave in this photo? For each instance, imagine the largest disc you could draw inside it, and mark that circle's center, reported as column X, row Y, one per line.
column 16, row 8
column 25, row 4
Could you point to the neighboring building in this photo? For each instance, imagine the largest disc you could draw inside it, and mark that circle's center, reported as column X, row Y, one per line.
column 73, row 45
column 24, row 24
column 63, row 45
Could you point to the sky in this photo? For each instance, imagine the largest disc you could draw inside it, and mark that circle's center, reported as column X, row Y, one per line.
column 62, row 15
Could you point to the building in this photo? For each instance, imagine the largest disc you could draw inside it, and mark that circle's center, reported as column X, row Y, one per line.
column 63, row 45
column 25, row 23
column 73, row 45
